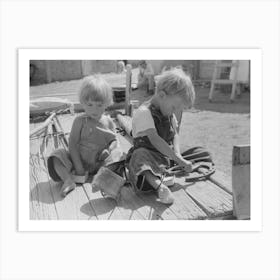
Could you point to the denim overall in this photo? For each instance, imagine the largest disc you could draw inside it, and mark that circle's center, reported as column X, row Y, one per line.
column 144, row 156
column 164, row 129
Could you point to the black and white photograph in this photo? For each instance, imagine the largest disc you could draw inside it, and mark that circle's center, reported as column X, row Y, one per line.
column 139, row 139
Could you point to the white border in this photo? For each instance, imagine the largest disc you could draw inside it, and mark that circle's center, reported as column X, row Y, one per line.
column 25, row 224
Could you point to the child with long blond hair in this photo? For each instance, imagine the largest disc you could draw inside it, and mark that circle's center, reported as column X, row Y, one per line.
column 92, row 142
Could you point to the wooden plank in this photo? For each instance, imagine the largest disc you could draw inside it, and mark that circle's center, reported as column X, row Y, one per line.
column 221, row 180
column 32, row 212
column 184, row 207
column 132, row 200
column 129, row 206
column 158, row 210
column 104, row 208
column 41, row 200
column 75, row 206
column 212, row 199
column 241, row 181
column 70, row 207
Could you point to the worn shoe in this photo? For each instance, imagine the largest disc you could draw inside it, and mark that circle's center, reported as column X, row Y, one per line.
column 165, row 195
column 67, row 187
column 169, row 181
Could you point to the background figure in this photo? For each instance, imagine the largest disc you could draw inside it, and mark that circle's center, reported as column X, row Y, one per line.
column 243, row 72
column 121, row 67
column 146, row 80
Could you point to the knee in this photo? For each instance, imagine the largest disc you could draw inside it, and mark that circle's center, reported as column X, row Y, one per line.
column 57, row 164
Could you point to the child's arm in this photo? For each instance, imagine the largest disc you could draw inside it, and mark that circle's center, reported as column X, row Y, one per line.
column 73, row 146
column 162, row 146
column 176, row 144
column 176, row 147
column 113, row 142
column 176, row 140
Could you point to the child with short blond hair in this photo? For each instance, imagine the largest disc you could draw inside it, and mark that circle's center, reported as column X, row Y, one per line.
column 155, row 133
column 92, row 142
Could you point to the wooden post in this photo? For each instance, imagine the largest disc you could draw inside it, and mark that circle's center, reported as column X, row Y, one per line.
column 241, row 181
column 128, row 89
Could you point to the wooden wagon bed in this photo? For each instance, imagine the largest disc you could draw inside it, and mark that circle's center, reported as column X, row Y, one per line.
column 210, row 199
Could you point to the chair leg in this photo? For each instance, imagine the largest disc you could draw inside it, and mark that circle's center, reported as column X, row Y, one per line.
column 213, row 82
column 234, row 83
column 239, row 90
column 232, row 97
column 211, row 91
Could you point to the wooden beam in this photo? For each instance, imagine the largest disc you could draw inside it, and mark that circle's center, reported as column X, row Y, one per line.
column 42, row 204
column 210, row 198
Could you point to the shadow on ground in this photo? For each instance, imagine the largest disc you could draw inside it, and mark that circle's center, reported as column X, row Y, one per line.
column 46, row 192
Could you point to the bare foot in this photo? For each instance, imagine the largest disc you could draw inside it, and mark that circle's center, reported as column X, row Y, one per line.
column 165, row 195
column 68, row 186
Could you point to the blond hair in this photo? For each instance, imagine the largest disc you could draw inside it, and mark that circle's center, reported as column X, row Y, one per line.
column 176, row 82
column 95, row 88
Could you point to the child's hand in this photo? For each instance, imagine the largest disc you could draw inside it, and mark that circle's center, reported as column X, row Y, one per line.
column 103, row 155
column 187, row 165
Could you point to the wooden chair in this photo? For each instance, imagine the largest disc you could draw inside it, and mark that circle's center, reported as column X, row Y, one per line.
column 215, row 80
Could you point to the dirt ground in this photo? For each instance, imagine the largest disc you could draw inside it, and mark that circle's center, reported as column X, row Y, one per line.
column 217, row 126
